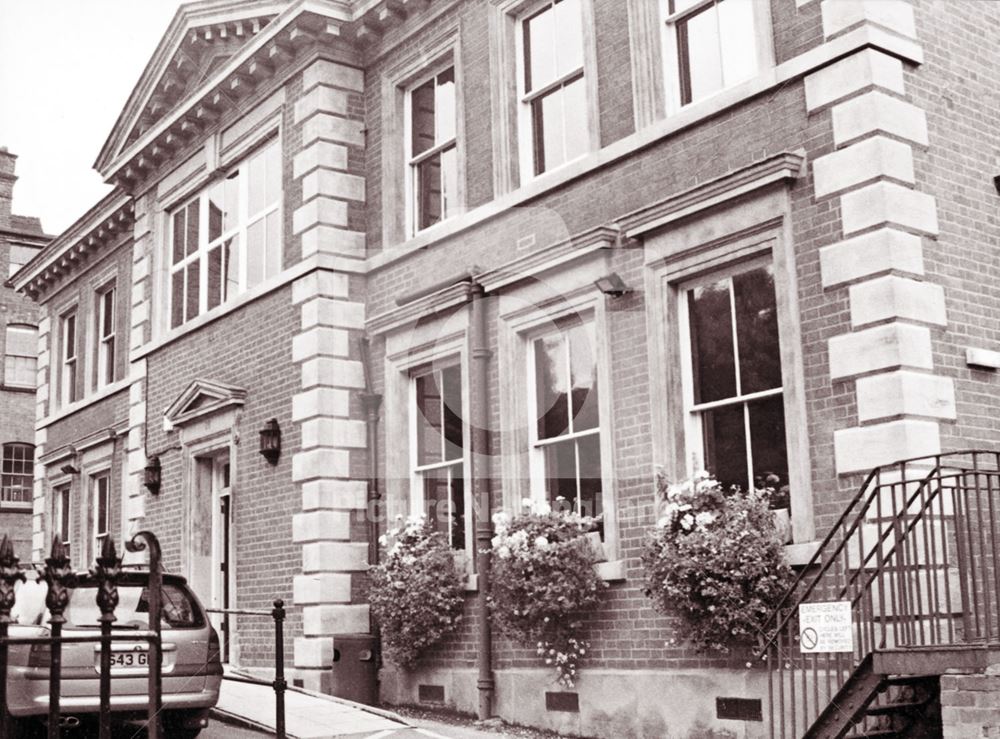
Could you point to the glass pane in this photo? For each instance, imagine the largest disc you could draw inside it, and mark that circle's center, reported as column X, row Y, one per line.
column 102, row 505
column 737, row 40
column 21, row 341
column 445, row 105
column 583, row 375
column 256, row 238
column 231, row 260
column 574, row 118
column 451, row 389
column 561, row 472
column 429, row 191
column 216, row 211
column 591, row 484
column 725, row 444
column 712, row 361
column 214, row 277
column 757, row 330
column 179, row 610
column 257, row 184
column 193, row 219
column 539, row 50
column 422, row 118
column 177, row 299
column 193, row 286
column 449, row 182
column 444, row 503
column 273, row 189
column 551, row 387
column 678, row 5
column 569, row 47
column 108, row 313
column 69, row 337
column 273, row 244
column 429, row 420
column 701, row 43
column 548, row 131
column 231, row 213
column 767, row 439
column 179, row 229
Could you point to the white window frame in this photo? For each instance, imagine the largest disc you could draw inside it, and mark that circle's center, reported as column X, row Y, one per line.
column 8, row 448
column 68, row 357
column 243, row 222
column 418, row 499
column 8, row 355
column 529, row 313
column 98, row 535
column 514, row 13
column 106, row 358
column 763, row 41
column 693, row 423
column 411, row 187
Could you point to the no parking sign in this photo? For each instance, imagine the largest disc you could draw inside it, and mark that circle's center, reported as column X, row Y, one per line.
column 826, row 627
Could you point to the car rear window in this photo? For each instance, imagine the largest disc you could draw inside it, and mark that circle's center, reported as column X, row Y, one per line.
column 179, row 609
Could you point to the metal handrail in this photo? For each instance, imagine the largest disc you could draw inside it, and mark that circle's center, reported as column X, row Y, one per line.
column 933, row 529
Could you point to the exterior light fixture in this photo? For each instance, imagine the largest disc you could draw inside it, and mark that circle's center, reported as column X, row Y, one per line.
column 151, row 475
column 270, row 441
column 612, row 285
column 69, row 469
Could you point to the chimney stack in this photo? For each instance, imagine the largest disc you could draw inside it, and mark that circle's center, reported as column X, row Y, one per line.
column 7, row 179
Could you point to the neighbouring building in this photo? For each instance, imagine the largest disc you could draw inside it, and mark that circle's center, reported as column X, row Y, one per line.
column 316, row 200
column 21, row 237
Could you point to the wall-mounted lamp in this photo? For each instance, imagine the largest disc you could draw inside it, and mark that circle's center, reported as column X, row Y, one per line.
column 151, row 475
column 612, row 285
column 69, row 469
column 996, row 183
column 270, row 441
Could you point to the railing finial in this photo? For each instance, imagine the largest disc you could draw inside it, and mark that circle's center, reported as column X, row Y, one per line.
column 58, row 576
column 106, row 571
column 10, row 573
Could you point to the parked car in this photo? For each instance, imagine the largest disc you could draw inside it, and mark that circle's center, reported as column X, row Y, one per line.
column 192, row 671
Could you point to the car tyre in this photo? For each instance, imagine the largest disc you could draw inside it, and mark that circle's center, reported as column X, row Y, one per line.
column 25, row 728
column 174, row 725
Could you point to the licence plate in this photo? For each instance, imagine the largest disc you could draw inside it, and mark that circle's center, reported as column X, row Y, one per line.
column 122, row 660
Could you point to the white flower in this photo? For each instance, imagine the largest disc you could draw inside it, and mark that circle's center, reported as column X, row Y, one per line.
column 503, row 552
column 687, row 521
column 664, row 522
column 541, row 542
column 705, row 518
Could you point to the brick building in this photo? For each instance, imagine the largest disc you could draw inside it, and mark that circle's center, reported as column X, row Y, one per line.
column 20, row 239
column 317, row 203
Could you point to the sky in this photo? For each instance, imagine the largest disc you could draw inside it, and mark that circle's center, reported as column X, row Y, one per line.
column 66, row 69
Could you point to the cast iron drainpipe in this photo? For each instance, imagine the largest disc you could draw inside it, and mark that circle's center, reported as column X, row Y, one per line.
column 481, row 471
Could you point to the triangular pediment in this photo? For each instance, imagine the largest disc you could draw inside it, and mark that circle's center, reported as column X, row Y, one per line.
column 202, row 398
column 200, row 39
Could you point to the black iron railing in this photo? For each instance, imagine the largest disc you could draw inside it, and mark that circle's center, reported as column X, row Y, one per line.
column 917, row 556
column 279, row 685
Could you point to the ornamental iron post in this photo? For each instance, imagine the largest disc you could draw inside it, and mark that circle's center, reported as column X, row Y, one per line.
column 58, row 577
column 106, row 572
column 279, row 667
column 10, row 573
column 142, row 541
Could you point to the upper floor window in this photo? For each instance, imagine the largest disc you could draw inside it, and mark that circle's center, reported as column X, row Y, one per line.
column 67, row 369
column 20, row 351
column 17, row 473
column 101, row 494
column 19, row 256
column 554, row 111
column 432, row 152
column 711, row 45
column 734, row 398
column 439, row 451
column 566, row 434
column 227, row 238
column 106, row 336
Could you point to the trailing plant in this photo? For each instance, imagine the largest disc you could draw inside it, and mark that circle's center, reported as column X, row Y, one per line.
column 544, row 582
column 416, row 591
column 715, row 559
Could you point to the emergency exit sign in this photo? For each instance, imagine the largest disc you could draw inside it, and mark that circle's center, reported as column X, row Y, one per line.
column 826, row 627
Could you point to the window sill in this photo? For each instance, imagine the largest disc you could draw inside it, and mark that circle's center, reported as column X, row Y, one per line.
column 19, row 507
column 799, row 555
column 607, row 571
column 18, row 389
column 89, row 400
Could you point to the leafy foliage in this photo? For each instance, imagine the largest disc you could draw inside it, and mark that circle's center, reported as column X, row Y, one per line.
column 416, row 592
column 715, row 559
column 543, row 581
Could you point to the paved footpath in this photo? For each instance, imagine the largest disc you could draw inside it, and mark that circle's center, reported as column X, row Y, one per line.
column 315, row 716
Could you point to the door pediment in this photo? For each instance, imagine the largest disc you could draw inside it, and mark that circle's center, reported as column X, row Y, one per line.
column 203, row 398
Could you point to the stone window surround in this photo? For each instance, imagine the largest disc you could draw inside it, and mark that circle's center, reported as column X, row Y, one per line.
column 673, row 258
column 218, row 163
column 433, row 341
column 397, row 81
column 527, row 312
column 512, row 134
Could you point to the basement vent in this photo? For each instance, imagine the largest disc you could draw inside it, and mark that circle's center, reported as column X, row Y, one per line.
column 738, row 709
column 569, row 702
column 298, row 682
column 430, row 693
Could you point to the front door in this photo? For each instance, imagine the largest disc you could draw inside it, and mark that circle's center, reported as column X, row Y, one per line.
column 210, row 569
